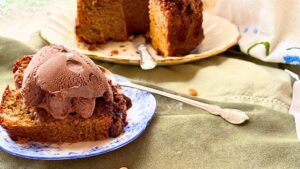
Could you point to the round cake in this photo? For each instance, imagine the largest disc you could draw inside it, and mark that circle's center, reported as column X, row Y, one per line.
column 175, row 25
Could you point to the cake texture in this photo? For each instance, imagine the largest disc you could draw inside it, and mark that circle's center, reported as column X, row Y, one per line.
column 98, row 21
column 136, row 16
column 175, row 26
column 34, row 121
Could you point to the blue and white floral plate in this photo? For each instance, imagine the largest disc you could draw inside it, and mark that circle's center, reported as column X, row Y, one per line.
column 139, row 116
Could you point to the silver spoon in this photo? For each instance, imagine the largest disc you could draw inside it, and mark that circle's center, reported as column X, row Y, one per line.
column 233, row 116
column 147, row 61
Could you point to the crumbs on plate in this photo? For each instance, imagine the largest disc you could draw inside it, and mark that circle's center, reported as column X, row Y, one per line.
column 114, row 52
column 193, row 92
column 92, row 47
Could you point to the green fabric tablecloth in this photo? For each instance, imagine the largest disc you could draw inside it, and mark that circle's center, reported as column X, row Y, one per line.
column 181, row 136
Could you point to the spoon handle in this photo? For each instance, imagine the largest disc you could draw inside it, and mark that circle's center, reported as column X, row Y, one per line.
column 233, row 116
column 147, row 61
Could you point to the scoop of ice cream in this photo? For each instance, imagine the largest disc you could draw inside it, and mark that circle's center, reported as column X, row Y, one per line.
column 60, row 107
column 63, row 81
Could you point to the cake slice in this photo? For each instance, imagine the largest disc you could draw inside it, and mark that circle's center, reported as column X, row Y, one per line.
column 175, row 26
column 44, row 120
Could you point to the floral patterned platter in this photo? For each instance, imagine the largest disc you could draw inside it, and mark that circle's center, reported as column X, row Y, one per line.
column 139, row 116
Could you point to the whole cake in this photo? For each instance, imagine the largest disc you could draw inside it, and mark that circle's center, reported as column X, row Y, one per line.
column 62, row 96
column 175, row 25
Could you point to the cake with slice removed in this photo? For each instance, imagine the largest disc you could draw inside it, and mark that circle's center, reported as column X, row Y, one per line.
column 175, row 25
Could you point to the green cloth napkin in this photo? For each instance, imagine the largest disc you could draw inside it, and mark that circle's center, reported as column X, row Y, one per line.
column 181, row 136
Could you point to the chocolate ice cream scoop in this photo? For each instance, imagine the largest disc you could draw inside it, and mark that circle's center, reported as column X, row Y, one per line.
column 63, row 81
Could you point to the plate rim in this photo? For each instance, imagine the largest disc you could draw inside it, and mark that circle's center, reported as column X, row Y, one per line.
column 78, row 156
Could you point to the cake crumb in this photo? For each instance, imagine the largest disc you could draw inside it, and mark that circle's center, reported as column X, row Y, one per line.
column 114, row 52
column 124, row 50
column 92, row 47
column 131, row 38
column 22, row 141
column 193, row 92
column 123, row 168
column 94, row 2
column 122, row 46
column 147, row 37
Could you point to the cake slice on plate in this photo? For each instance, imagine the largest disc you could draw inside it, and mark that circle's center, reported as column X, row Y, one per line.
column 62, row 96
